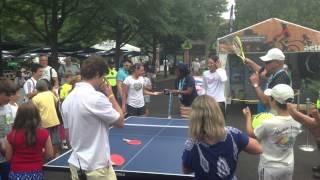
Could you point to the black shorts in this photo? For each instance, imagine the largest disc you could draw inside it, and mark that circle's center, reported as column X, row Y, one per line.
column 132, row 111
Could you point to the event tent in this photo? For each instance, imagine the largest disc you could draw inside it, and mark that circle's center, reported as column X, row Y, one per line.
column 110, row 44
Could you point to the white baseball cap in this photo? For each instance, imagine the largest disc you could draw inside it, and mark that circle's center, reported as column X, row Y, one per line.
column 273, row 54
column 282, row 93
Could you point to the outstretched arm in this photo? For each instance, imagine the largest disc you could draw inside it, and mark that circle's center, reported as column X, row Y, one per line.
column 310, row 122
column 247, row 116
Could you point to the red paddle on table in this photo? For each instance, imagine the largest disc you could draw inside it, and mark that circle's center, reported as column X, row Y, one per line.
column 117, row 160
column 132, row 141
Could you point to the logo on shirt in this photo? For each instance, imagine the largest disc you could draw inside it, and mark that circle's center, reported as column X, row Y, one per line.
column 137, row 86
column 222, row 167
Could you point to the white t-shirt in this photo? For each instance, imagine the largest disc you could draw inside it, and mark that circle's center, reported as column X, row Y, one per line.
column 135, row 91
column 46, row 73
column 213, row 84
column 88, row 114
column 29, row 86
column 277, row 137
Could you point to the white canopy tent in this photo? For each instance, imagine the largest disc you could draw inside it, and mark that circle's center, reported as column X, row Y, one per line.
column 109, row 44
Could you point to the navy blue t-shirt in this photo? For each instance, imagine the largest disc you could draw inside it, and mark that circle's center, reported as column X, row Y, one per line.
column 184, row 84
column 221, row 157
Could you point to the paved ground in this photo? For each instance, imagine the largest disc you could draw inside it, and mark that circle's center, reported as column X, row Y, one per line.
column 247, row 165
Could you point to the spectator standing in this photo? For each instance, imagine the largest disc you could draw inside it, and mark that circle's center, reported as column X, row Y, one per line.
column 214, row 80
column 29, row 86
column 121, row 76
column 7, row 89
column 133, row 91
column 212, row 150
column 196, row 66
column 185, row 86
column 95, row 114
column 25, row 144
column 46, row 102
column 66, row 87
column 111, row 77
column 68, row 68
column 274, row 60
column 49, row 73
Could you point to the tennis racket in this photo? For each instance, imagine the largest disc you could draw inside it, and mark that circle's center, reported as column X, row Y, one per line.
column 237, row 48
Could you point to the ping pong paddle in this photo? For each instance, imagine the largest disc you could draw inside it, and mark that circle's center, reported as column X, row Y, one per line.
column 132, row 141
column 117, row 160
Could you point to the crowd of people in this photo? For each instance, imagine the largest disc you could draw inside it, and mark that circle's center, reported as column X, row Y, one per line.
column 102, row 97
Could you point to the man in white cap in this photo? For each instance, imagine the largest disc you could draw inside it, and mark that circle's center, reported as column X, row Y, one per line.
column 276, row 135
column 274, row 61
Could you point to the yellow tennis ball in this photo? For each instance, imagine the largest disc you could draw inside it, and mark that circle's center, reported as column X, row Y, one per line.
column 259, row 118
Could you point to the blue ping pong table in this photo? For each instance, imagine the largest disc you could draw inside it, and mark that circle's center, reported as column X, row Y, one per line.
column 158, row 157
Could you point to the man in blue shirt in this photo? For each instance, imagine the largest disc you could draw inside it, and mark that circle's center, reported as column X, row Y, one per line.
column 121, row 76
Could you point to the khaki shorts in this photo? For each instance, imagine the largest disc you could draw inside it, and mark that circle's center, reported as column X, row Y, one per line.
column 106, row 173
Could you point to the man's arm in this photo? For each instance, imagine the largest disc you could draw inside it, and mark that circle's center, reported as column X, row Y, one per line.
column 107, row 90
column 120, row 122
column 252, row 65
column 204, row 83
column 254, row 78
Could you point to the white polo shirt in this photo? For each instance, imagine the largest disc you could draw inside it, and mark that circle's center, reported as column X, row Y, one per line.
column 88, row 114
column 213, row 84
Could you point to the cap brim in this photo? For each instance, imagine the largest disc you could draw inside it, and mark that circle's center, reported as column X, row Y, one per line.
column 268, row 92
column 265, row 58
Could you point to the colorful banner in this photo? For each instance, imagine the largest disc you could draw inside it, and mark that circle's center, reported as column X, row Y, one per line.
column 261, row 37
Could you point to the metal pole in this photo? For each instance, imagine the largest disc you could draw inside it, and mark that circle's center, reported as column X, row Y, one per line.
column 170, row 105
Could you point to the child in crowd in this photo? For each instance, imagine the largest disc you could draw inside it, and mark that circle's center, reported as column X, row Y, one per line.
column 25, row 143
column 66, row 87
column 46, row 103
column 276, row 135
column 212, row 150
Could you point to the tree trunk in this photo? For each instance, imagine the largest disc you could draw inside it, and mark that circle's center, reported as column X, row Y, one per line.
column 154, row 54
column 54, row 35
column 118, row 44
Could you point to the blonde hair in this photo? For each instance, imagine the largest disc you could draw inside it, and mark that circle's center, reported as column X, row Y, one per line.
column 206, row 120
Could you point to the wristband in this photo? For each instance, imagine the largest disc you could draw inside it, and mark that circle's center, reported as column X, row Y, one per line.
column 255, row 85
column 111, row 96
